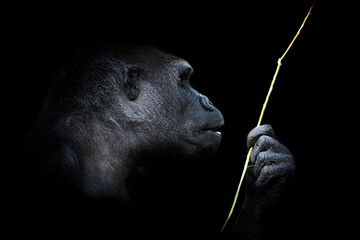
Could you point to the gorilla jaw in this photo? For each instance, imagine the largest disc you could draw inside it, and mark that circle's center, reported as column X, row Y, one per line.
column 202, row 142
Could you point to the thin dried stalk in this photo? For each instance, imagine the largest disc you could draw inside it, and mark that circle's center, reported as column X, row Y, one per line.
column 261, row 117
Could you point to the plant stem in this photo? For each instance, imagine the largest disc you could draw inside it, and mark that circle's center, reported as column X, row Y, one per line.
column 250, row 150
column 238, row 189
column 261, row 117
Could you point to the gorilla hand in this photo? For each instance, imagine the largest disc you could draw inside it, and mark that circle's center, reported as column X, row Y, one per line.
column 272, row 165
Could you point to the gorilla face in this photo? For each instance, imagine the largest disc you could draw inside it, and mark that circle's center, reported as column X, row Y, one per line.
column 171, row 113
column 114, row 109
column 200, row 119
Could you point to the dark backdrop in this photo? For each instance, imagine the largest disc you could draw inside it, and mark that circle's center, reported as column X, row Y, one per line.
column 233, row 49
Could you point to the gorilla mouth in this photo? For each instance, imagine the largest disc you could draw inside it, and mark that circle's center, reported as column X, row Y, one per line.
column 213, row 129
column 209, row 139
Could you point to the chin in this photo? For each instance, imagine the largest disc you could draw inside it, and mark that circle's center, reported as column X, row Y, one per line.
column 212, row 144
column 203, row 144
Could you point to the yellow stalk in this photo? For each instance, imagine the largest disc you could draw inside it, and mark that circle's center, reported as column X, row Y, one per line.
column 261, row 117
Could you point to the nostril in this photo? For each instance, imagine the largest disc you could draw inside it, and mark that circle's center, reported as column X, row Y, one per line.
column 205, row 102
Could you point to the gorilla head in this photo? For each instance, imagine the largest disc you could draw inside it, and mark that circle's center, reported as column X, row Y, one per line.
column 113, row 109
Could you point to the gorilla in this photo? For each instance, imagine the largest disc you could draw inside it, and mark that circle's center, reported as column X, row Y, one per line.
column 112, row 118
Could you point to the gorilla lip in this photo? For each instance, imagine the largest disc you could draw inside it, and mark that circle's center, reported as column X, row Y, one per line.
column 213, row 129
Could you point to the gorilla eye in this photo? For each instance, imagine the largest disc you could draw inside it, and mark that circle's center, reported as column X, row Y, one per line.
column 133, row 72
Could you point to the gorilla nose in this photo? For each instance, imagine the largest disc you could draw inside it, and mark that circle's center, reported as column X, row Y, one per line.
column 205, row 102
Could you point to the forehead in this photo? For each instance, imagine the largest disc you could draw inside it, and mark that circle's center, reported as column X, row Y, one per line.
column 171, row 62
column 151, row 56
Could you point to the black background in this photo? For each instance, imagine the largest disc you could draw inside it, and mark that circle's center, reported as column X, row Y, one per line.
column 233, row 49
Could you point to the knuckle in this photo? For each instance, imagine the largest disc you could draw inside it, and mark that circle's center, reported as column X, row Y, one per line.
column 265, row 142
column 259, row 135
column 261, row 157
column 267, row 128
column 262, row 140
column 266, row 171
column 256, row 133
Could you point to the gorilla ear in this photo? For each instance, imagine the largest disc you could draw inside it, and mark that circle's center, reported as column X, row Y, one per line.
column 131, row 87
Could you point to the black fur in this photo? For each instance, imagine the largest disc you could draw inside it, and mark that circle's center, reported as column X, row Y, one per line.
column 116, row 115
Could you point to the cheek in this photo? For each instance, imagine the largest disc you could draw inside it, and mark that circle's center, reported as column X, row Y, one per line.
column 159, row 109
column 147, row 108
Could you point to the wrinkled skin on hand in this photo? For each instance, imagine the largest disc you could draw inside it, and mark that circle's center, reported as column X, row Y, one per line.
column 272, row 166
column 272, row 163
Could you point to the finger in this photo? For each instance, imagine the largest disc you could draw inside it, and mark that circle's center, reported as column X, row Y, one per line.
column 270, row 158
column 255, row 133
column 284, row 168
column 263, row 143
column 265, row 176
